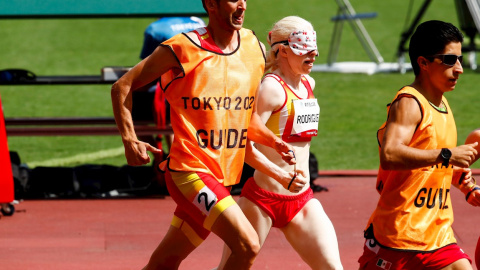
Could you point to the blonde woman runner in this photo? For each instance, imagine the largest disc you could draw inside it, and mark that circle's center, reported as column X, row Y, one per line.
column 287, row 107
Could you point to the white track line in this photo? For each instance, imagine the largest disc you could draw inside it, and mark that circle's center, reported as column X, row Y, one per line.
column 80, row 158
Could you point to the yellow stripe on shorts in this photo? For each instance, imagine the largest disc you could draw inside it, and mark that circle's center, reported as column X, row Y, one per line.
column 217, row 210
column 184, row 180
column 187, row 230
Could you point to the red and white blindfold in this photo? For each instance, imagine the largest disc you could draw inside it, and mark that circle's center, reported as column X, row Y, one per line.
column 301, row 42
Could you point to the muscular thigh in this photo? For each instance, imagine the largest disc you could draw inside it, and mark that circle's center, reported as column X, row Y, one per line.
column 312, row 235
column 200, row 200
column 261, row 222
column 311, row 221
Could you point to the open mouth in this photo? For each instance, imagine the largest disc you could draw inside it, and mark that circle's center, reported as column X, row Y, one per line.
column 238, row 18
column 453, row 82
column 309, row 62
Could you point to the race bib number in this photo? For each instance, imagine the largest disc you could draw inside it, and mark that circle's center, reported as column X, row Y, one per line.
column 307, row 114
column 205, row 200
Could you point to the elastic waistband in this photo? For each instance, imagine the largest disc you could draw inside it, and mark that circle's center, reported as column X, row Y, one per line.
column 252, row 185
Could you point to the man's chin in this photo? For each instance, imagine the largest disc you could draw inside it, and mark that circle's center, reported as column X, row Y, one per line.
column 237, row 26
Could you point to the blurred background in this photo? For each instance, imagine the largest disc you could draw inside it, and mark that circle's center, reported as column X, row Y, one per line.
column 353, row 106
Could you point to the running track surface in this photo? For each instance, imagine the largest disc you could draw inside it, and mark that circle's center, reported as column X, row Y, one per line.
column 121, row 233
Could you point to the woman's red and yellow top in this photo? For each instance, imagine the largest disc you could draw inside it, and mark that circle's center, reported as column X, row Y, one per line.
column 297, row 119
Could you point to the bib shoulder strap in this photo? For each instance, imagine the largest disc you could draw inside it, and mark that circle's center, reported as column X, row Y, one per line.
column 206, row 40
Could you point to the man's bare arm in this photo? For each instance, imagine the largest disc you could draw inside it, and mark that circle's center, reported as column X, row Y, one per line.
column 395, row 153
column 148, row 70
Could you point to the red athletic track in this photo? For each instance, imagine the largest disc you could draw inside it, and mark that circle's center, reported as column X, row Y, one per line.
column 121, row 233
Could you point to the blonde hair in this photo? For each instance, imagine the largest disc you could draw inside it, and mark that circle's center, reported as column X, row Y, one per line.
column 281, row 30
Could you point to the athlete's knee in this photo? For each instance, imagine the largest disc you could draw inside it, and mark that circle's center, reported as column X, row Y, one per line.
column 248, row 249
column 253, row 248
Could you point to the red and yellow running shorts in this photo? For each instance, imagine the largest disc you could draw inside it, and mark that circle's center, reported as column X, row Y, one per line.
column 200, row 200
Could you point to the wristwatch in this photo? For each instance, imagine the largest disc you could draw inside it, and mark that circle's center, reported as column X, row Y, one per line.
column 446, row 154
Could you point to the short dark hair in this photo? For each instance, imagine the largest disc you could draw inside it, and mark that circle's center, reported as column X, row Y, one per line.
column 205, row 7
column 430, row 38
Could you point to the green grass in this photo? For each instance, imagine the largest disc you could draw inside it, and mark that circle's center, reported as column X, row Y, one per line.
column 353, row 106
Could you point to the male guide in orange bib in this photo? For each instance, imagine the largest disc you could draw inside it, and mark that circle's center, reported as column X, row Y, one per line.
column 220, row 93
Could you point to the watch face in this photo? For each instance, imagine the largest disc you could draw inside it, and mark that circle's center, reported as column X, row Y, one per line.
column 446, row 153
